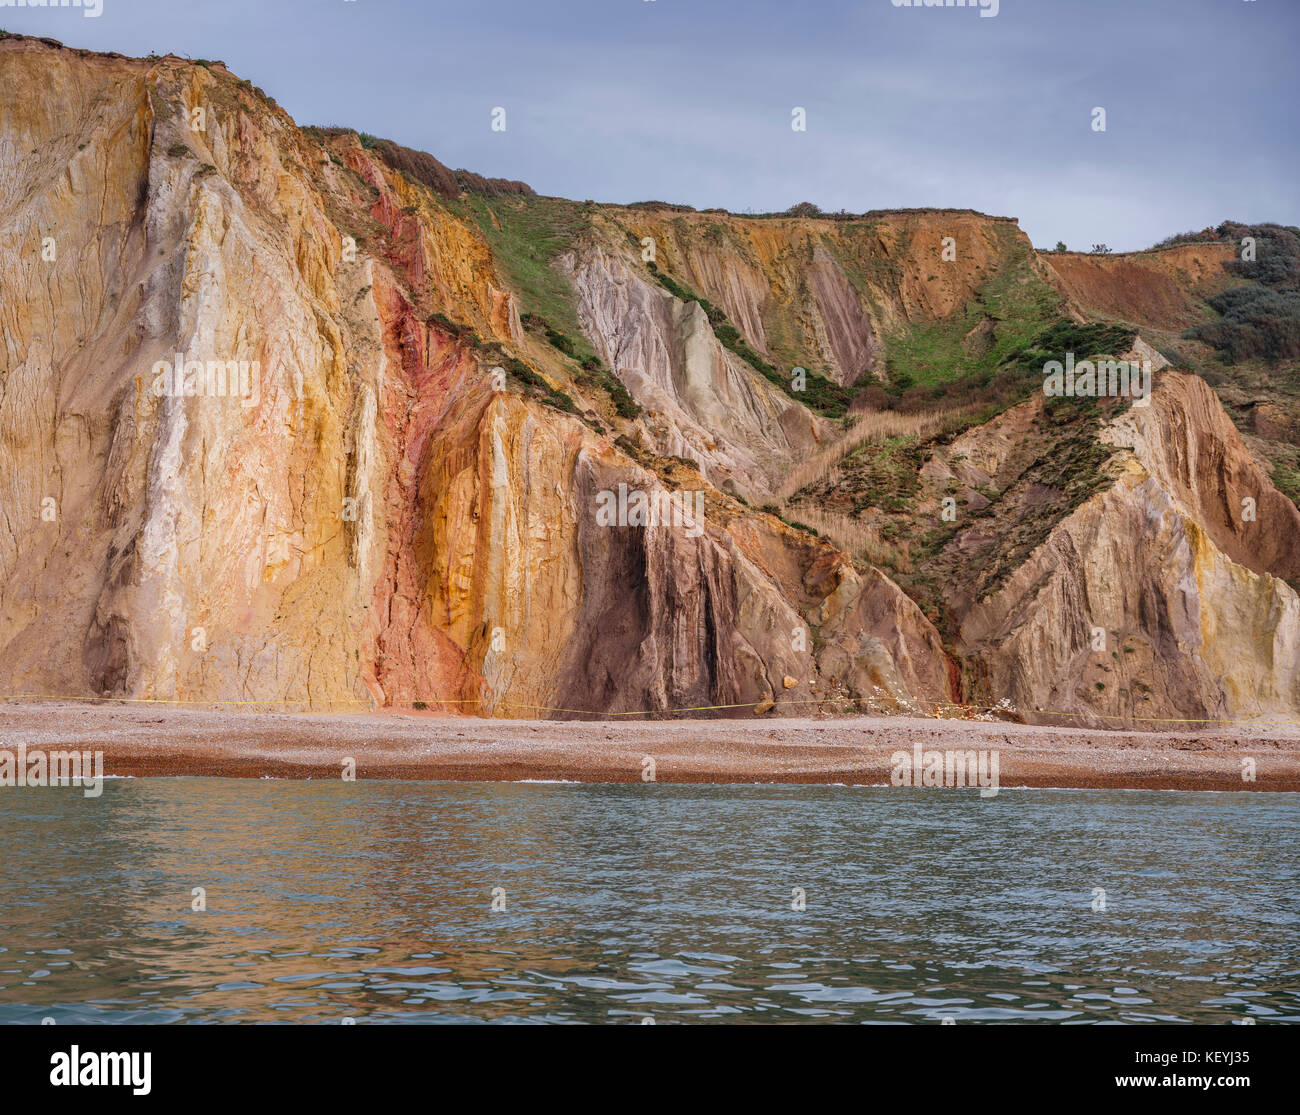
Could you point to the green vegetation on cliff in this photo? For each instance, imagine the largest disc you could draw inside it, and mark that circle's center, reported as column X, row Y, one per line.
column 1004, row 316
column 527, row 235
column 819, row 393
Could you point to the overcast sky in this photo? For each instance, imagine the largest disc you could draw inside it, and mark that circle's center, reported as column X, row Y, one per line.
column 690, row 100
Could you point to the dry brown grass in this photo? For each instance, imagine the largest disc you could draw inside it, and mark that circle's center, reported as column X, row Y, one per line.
column 851, row 535
column 848, row 532
column 876, row 425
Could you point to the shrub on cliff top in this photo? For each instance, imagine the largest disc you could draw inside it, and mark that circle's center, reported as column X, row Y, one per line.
column 1085, row 341
column 420, row 166
column 1256, row 322
column 1262, row 319
column 1277, row 254
column 1206, row 234
column 664, row 205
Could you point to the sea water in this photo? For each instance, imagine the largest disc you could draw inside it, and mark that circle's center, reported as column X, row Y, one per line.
column 210, row 900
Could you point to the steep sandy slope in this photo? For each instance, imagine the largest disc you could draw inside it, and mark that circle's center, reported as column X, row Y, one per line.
column 176, row 522
column 1153, row 289
column 702, row 401
column 402, row 504
column 379, row 518
column 822, row 294
column 1163, row 596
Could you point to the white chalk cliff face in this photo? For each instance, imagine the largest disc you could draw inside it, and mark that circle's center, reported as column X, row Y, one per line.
column 373, row 518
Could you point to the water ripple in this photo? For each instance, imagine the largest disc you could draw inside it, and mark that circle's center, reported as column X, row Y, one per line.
column 374, row 901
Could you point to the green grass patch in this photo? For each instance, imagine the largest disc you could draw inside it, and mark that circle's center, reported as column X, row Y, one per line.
column 1286, row 479
column 1019, row 303
column 527, row 235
